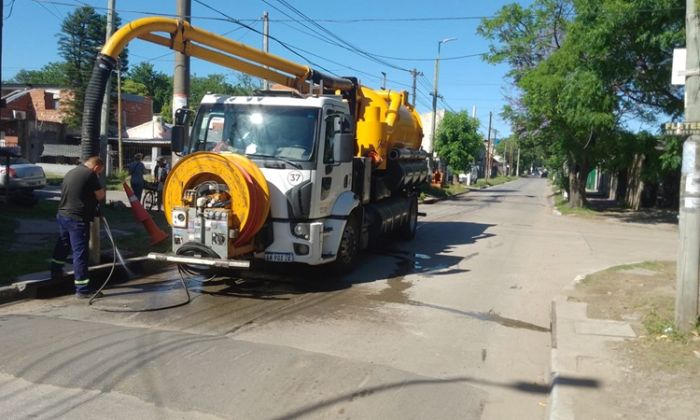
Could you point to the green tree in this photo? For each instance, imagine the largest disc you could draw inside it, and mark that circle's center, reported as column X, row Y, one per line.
column 457, row 140
column 584, row 67
column 81, row 38
column 158, row 85
column 214, row 83
column 54, row 73
column 134, row 88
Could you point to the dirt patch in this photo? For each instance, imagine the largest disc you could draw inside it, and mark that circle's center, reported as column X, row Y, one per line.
column 661, row 367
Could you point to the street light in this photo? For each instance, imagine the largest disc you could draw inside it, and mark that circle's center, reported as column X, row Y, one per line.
column 435, row 88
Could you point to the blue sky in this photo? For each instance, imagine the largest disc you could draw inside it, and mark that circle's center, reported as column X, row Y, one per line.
column 408, row 31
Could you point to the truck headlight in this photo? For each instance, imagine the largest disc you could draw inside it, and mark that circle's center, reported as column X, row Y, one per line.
column 301, row 230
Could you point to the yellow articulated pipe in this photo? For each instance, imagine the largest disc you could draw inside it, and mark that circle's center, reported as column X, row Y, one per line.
column 185, row 37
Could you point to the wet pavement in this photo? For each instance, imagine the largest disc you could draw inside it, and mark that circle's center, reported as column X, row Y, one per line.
column 454, row 324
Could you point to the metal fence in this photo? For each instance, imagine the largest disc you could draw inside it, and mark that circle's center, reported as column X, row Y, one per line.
column 70, row 154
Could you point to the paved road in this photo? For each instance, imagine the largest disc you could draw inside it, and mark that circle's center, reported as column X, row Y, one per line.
column 452, row 325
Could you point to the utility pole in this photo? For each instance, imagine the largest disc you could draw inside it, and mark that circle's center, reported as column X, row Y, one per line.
column 94, row 244
column 266, row 43
column 688, row 265
column 517, row 166
column 119, row 116
column 181, row 77
column 104, row 120
column 435, row 89
column 414, row 73
column 487, row 170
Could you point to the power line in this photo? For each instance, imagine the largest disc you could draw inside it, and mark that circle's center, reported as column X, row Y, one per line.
column 47, row 9
column 354, row 48
column 236, row 21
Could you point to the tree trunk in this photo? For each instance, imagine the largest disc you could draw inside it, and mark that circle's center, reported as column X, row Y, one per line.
column 578, row 173
column 635, row 184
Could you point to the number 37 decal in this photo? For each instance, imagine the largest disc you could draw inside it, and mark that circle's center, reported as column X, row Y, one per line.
column 294, row 177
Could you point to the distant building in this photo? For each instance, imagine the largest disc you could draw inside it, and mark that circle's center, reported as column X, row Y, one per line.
column 33, row 119
column 427, row 122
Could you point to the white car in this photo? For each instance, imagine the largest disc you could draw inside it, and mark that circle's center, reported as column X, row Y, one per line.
column 24, row 175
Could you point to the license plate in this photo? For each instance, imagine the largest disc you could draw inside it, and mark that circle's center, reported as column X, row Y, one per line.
column 279, row 256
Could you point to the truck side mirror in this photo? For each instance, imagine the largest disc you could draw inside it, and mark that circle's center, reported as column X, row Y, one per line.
column 343, row 141
column 179, row 135
column 178, row 138
column 182, row 116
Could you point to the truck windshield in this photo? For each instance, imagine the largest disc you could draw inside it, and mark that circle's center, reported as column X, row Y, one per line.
column 271, row 131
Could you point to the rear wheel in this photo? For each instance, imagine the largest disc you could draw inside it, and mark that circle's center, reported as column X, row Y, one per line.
column 408, row 229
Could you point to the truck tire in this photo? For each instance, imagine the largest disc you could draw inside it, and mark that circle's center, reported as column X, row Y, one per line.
column 408, row 229
column 348, row 248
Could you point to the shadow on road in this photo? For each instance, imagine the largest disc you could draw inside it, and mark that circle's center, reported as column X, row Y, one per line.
column 526, row 387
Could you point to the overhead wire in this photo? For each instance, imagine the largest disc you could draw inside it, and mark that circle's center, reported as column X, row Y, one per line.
column 238, row 22
column 353, row 47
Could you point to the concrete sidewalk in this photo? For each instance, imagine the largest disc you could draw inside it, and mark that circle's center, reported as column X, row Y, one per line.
column 581, row 361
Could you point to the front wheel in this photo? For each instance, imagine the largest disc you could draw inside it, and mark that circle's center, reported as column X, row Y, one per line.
column 348, row 247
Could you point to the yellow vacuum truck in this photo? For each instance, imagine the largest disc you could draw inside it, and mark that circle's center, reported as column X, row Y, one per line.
column 310, row 172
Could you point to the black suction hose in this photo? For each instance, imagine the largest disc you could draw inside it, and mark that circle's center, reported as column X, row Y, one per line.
column 92, row 109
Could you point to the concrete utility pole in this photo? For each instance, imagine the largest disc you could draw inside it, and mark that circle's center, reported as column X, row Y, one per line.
column 181, row 77
column 266, row 43
column 414, row 74
column 94, row 245
column 487, row 169
column 435, row 88
column 688, row 266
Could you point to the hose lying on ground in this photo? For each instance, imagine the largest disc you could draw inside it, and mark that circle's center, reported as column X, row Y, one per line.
column 109, row 276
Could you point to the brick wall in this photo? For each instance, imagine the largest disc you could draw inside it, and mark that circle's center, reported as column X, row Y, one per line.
column 136, row 110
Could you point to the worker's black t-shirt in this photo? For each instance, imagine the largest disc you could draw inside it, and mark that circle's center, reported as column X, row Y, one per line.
column 78, row 199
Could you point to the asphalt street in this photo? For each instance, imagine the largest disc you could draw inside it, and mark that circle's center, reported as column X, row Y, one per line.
column 453, row 325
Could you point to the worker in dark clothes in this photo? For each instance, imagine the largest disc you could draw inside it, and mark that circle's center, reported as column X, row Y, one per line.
column 160, row 173
column 81, row 191
column 136, row 170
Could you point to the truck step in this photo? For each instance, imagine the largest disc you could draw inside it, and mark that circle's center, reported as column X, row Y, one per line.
column 327, row 229
column 327, row 256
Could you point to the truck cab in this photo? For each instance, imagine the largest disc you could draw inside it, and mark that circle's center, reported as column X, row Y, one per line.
column 304, row 148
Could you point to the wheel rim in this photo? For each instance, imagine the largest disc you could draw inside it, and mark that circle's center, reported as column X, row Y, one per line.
column 347, row 244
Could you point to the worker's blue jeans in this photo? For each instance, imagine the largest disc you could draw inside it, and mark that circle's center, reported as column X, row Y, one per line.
column 137, row 187
column 73, row 234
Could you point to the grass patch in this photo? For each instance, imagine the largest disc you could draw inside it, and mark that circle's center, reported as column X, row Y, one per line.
column 54, row 179
column 643, row 294
column 133, row 242
column 21, row 262
column 444, row 192
column 43, row 209
column 483, row 183
column 562, row 204
column 115, row 181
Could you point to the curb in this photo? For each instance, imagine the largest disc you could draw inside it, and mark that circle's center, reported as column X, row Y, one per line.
column 575, row 336
column 557, row 407
column 41, row 281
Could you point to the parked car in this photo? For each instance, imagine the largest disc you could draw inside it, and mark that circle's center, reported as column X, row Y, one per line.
column 24, row 175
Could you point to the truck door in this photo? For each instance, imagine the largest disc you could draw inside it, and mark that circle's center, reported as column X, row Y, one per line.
column 333, row 177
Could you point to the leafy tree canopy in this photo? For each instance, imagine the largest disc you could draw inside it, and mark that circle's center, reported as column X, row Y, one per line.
column 54, row 73
column 81, row 37
column 457, row 140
